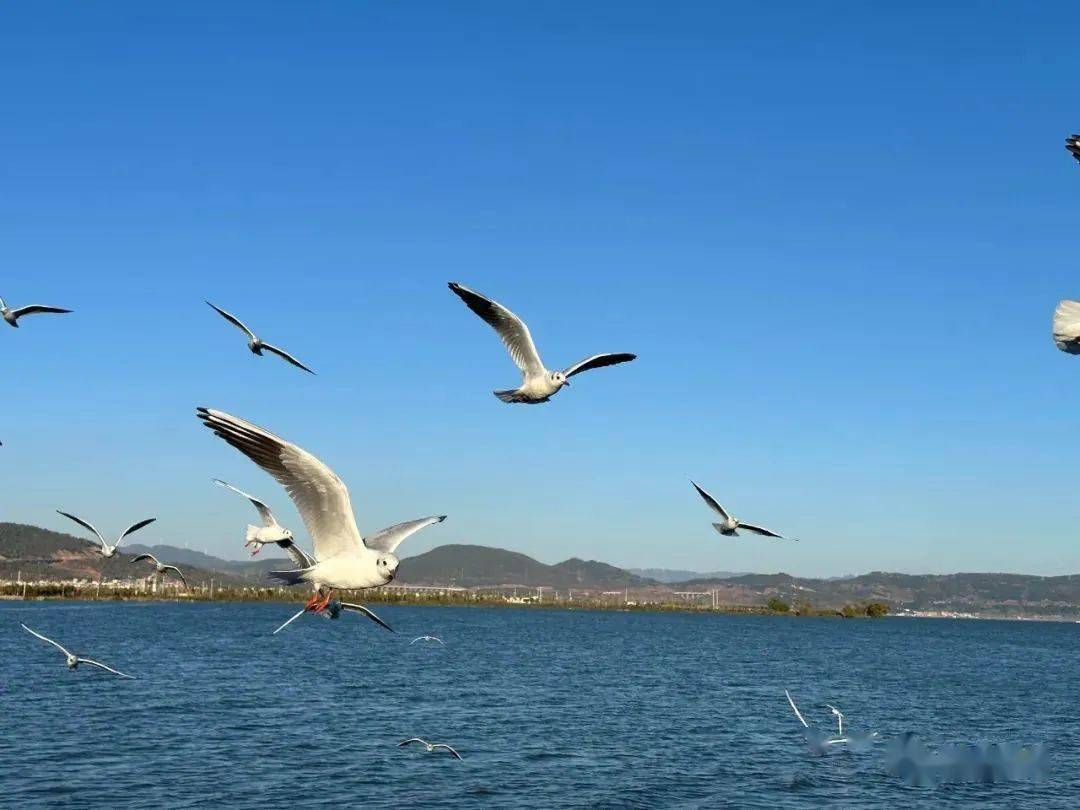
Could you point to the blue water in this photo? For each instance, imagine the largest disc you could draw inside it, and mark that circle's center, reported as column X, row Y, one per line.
column 548, row 708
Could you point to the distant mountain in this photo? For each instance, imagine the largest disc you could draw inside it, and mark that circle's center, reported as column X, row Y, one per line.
column 670, row 575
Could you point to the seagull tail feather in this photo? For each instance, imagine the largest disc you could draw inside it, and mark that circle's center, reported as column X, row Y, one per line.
column 291, row 577
column 509, row 395
column 252, row 533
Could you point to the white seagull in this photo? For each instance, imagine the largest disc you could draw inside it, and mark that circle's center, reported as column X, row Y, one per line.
column 159, row 567
column 73, row 660
column 12, row 315
column 427, row 638
column 270, row 532
column 430, row 746
column 343, row 559
column 819, row 740
column 538, row 383
column 1072, row 143
column 255, row 344
column 730, row 526
column 1067, row 326
column 106, row 549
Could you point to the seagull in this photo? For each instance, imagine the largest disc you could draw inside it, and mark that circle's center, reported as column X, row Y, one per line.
column 333, row 610
column 730, row 526
column 12, row 315
column 427, row 638
column 819, row 740
column 255, row 344
column 1072, row 143
column 343, row 559
column 159, row 567
column 106, row 549
column 1067, row 326
column 430, row 746
column 73, row 660
column 538, row 383
column 271, row 531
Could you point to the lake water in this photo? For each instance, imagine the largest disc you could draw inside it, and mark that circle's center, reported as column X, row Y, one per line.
column 548, row 708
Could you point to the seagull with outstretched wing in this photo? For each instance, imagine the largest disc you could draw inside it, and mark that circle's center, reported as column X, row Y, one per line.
column 427, row 638
column 270, row 532
column 160, row 568
column 342, row 559
column 429, row 746
column 12, row 315
column 729, row 526
column 538, row 383
column 73, row 660
column 255, row 344
column 107, row 549
column 1072, row 143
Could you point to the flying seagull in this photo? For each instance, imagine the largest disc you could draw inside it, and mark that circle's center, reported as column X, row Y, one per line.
column 1072, row 143
column 343, row 559
column 270, row 532
column 730, row 526
column 427, row 638
column 255, row 344
column 106, row 549
column 430, row 746
column 819, row 741
column 333, row 610
column 159, row 567
column 73, row 660
column 12, row 315
column 538, row 383
column 1067, row 326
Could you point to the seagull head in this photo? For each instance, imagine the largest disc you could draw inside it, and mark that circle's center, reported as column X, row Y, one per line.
column 559, row 379
column 386, row 564
column 108, row 551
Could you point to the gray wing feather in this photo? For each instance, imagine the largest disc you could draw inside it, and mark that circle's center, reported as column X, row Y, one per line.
column 390, row 538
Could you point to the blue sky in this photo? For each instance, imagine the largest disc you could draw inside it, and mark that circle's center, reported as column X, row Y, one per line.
column 834, row 235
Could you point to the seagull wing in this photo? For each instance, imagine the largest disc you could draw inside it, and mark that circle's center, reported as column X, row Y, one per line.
column 448, row 748
column 139, row 557
column 390, row 538
column 760, row 530
column 320, row 496
column 233, row 320
column 511, row 329
column 286, row 356
column 102, row 666
column 35, row 309
column 134, row 527
column 1067, row 326
column 795, row 709
column 84, row 524
column 60, row 647
column 297, row 554
column 267, row 516
column 361, row 609
column 1072, row 143
column 291, row 619
column 412, row 740
column 598, row 361
column 711, row 501
column 179, row 573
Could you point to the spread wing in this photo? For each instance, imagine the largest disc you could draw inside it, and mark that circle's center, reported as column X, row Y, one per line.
column 598, row 361
column 134, row 527
column 179, row 573
column 760, row 530
column 320, row 496
column 1067, row 326
column 286, row 356
column 43, row 638
column 1072, row 143
column 412, row 740
column 511, row 329
column 297, row 554
column 361, row 609
column 390, row 538
column 267, row 516
column 795, row 709
column 233, row 320
column 102, row 666
column 448, row 748
column 139, row 557
column 711, row 501
column 84, row 524
column 35, row 309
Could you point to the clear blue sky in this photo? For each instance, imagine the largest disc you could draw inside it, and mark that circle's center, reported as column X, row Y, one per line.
column 834, row 234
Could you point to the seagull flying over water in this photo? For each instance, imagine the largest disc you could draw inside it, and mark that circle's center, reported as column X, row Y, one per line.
column 106, row 549
column 819, row 740
column 730, row 526
column 73, row 660
column 430, row 746
column 538, row 383
column 12, row 315
column 255, row 344
column 159, row 567
column 343, row 559
column 1072, row 143
column 271, row 531
column 427, row 638
column 334, row 609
